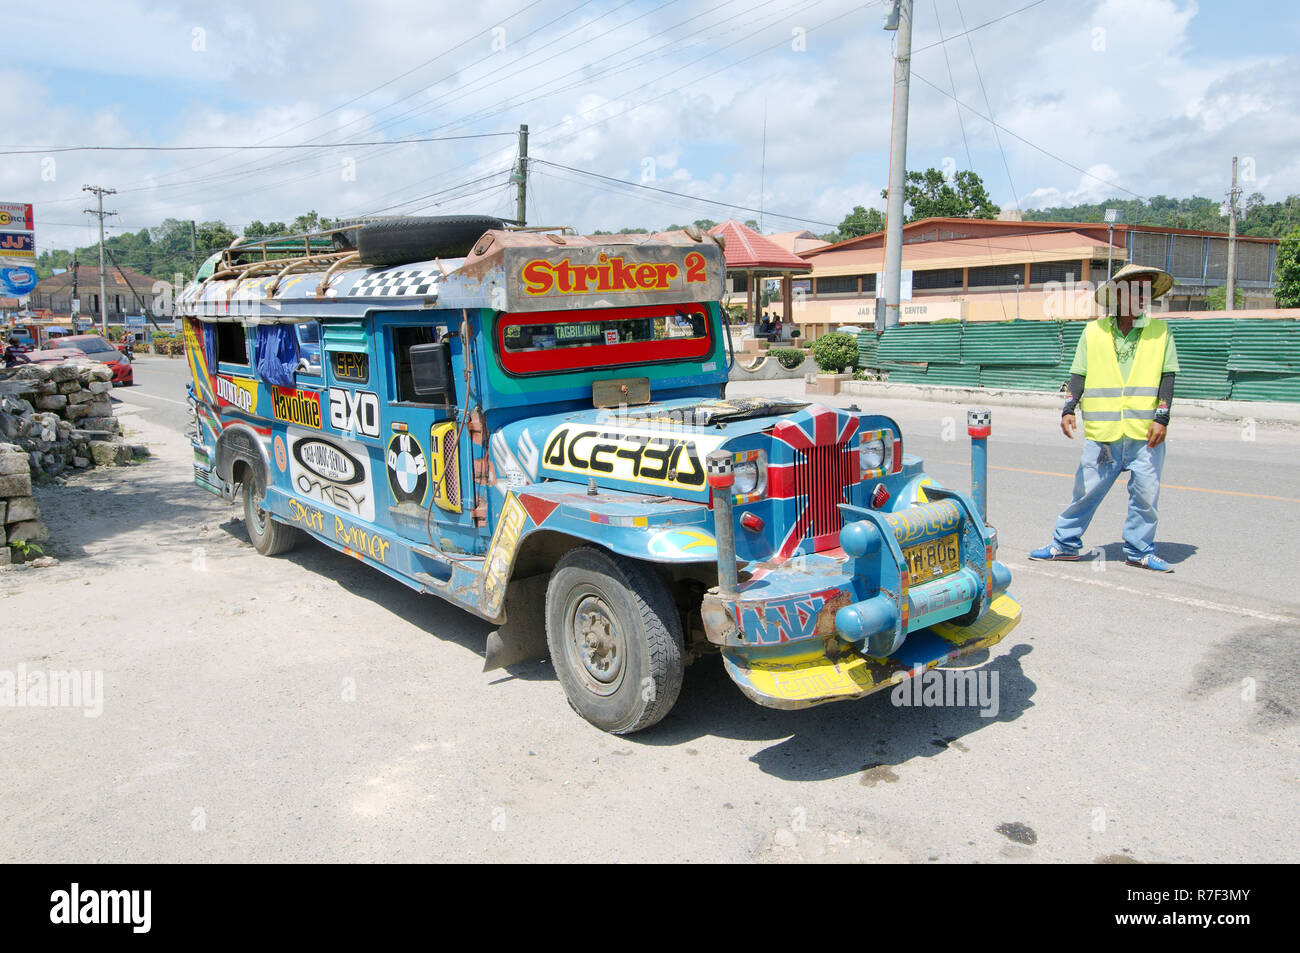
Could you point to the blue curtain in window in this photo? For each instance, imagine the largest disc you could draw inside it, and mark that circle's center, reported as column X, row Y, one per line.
column 276, row 354
column 209, row 344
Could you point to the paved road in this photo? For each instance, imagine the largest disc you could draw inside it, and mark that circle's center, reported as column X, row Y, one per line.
column 308, row 708
column 159, row 389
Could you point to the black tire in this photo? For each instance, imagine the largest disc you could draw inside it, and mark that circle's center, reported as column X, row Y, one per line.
column 641, row 648
column 421, row 238
column 268, row 537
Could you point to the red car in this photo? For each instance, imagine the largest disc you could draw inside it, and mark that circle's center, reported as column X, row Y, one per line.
column 98, row 349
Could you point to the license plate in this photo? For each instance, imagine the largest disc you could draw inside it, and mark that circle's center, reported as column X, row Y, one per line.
column 938, row 557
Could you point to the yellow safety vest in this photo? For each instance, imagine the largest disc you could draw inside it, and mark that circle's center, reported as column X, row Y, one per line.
column 1112, row 406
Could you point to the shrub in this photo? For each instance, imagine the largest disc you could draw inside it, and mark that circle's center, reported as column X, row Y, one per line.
column 790, row 357
column 835, row 351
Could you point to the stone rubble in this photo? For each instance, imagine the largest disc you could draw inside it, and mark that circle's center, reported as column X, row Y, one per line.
column 53, row 418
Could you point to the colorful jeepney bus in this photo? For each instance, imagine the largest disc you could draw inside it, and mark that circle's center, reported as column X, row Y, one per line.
column 534, row 426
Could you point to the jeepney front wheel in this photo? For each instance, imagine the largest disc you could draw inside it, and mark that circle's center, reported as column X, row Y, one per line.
column 267, row 536
column 615, row 639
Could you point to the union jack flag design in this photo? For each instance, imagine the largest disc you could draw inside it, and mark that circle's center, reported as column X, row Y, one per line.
column 824, row 465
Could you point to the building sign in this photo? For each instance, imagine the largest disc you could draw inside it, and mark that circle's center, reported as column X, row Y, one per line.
column 17, row 245
column 17, row 216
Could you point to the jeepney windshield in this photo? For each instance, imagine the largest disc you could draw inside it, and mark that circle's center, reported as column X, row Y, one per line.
column 550, row 341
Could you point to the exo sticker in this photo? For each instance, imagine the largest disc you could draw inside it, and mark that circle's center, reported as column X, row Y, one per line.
column 658, row 457
column 354, row 411
column 236, row 393
column 333, row 473
column 408, row 474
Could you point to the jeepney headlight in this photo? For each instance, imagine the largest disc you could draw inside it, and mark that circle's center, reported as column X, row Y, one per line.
column 872, row 453
column 749, row 470
column 746, row 475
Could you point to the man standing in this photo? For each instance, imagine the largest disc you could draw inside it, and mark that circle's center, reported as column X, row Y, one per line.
column 1122, row 379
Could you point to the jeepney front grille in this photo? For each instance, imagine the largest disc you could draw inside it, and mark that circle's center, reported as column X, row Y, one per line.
column 821, row 475
column 450, row 467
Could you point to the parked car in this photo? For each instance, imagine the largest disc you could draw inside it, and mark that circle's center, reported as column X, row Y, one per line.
column 55, row 355
column 98, row 349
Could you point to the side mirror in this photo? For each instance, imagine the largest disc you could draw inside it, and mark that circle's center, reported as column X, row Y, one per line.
column 430, row 369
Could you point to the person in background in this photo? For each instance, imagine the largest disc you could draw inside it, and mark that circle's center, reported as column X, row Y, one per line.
column 1122, row 379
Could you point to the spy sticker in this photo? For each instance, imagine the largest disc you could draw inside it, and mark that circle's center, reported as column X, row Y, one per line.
column 281, row 457
column 408, row 475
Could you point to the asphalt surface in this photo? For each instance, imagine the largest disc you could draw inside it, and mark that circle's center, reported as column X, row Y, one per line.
column 309, row 708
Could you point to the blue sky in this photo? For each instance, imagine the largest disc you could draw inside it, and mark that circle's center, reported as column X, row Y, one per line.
column 1104, row 97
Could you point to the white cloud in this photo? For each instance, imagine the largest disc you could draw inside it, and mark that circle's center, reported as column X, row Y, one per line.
column 1141, row 108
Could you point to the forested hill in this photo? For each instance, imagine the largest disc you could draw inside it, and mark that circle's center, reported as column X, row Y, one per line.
column 1266, row 219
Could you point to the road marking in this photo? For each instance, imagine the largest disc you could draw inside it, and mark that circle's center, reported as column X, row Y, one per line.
column 1168, row 597
column 140, row 393
column 1163, row 486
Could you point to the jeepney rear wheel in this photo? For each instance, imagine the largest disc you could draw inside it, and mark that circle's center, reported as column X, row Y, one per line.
column 615, row 638
column 268, row 537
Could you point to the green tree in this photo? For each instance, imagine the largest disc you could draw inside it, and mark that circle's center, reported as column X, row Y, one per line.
column 861, row 221
column 930, row 194
column 1217, row 299
column 1287, row 271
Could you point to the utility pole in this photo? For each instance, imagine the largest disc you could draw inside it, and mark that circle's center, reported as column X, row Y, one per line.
column 521, row 178
column 1230, row 301
column 194, row 247
column 103, row 291
column 899, row 18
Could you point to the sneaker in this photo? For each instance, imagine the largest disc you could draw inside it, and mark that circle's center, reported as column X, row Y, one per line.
column 1051, row 552
column 1151, row 561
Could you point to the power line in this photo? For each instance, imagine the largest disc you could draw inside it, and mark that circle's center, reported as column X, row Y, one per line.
column 967, row 33
column 1033, row 145
column 246, row 148
column 693, row 198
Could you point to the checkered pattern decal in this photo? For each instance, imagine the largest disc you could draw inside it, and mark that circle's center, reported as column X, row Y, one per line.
column 718, row 465
column 396, row 284
column 977, row 418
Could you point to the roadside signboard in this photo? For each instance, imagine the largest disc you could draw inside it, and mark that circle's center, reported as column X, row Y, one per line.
column 135, row 321
column 17, row 216
column 17, row 244
column 17, row 281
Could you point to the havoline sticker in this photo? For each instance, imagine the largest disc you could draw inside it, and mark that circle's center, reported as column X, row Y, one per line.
column 301, row 407
column 657, row 457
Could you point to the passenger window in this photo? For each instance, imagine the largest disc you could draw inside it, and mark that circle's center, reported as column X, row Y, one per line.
column 403, row 340
column 232, row 348
column 309, row 349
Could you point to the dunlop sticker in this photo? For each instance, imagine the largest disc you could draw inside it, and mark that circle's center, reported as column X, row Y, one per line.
column 657, row 457
column 301, row 407
column 236, row 393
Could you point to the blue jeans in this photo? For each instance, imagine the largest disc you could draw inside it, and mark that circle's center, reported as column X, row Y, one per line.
column 1101, row 464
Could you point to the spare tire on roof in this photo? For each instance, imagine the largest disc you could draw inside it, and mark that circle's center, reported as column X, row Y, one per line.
column 420, row 238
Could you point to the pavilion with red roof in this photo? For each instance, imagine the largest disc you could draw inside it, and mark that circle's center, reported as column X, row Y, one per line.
column 755, row 256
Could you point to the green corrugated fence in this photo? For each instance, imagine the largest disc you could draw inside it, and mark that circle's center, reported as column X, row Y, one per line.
column 1219, row 358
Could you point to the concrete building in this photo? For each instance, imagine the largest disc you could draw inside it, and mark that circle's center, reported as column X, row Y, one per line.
column 52, row 297
column 996, row 270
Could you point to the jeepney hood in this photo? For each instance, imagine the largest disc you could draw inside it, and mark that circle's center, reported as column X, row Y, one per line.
column 657, row 447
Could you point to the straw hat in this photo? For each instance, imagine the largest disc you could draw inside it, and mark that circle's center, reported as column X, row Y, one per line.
column 1161, row 282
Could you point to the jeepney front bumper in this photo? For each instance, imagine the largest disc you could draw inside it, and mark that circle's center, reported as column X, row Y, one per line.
column 847, row 622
